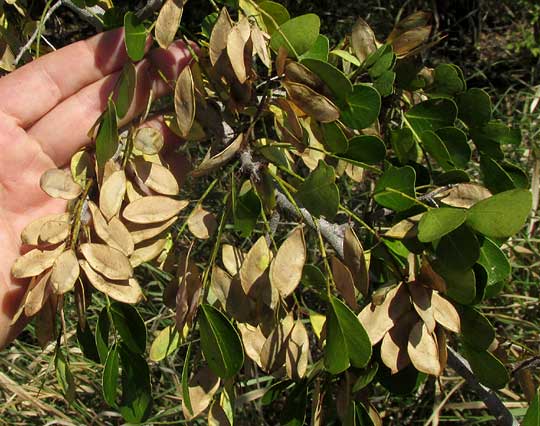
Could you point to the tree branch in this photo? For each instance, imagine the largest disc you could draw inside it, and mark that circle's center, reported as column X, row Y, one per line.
column 150, row 7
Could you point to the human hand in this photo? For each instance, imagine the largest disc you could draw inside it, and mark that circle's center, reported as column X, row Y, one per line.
column 46, row 110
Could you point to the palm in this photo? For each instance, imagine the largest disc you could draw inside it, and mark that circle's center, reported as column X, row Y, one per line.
column 47, row 108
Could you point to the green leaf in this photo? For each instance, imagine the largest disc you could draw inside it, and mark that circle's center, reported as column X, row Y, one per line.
column 494, row 261
column 435, row 146
column 208, row 24
column 320, row 50
column 455, row 141
column 474, row 107
column 165, row 343
column 319, row 193
column 451, row 177
column 496, row 132
column 347, row 342
column 461, row 285
column 432, row 115
column 125, row 89
column 274, row 392
column 107, row 136
column 221, row 345
column 110, row 377
column 313, row 277
column 532, row 417
column 366, row 377
column 102, row 334
column 385, row 83
column 400, row 179
column 501, row 215
column 136, row 401
column 448, row 80
column 383, row 64
column 404, row 145
column 297, row 35
column 336, row 81
column 135, row 36
column 366, row 149
column 247, row 209
column 362, row 107
column 346, row 56
column 87, row 342
column 63, row 375
column 486, row 367
column 273, row 14
column 334, row 140
column 130, row 326
column 294, row 410
column 476, row 330
column 436, row 223
column 500, row 176
column 459, row 249
column 186, row 399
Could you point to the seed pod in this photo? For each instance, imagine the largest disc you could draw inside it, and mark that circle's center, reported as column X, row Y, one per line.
column 30, row 234
column 156, row 177
column 148, row 140
column 54, row 232
column 112, row 194
column 35, row 262
column 147, row 252
column 37, row 295
column 141, row 233
column 153, row 209
column 60, row 184
column 107, row 260
column 65, row 272
column 114, row 233
column 125, row 291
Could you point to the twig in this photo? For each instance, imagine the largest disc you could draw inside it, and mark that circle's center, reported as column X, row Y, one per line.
column 151, row 7
column 495, row 406
column 88, row 14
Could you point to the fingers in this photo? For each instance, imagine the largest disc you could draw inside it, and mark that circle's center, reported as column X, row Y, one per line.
column 34, row 89
column 63, row 130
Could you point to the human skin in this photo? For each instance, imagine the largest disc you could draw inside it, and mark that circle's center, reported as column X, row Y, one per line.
column 46, row 110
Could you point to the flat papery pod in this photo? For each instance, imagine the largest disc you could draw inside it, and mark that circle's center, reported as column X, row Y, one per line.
column 125, row 291
column 236, row 48
column 202, row 388
column 407, row 228
column 37, row 295
column 210, row 164
column 281, row 60
column 232, row 258
column 378, row 319
column 356, row 173
column 35, row 262
column 464, row 195
column 30, row 234
column 148, row 140
column 421, row 297
column 430, row 278
column 445, row 313
column 189, row 290
column 237, row 304
column 291, row 119
column 297, row 353
column 298, row 73
column 407, row 42
column 45, row 322
column 423, row 350
column 264, row 293
column 54, row 232
column 363, row 40
column 286, row 268
column 110, row 262
column 153, row 209
column 112, row 194
column 217, row 416
column 60, row 184
column 260, row 46
column 253, row 340
column 156, row 177
column 440, row 334
column 133, row 192
column 82, row 167
column 140, row 233
column 202, row 223
column 355, row 259
column 65, row 272
column 147, row 251
column 184, row 101
column 317, row 106
column 344, row 282
column 274, row 349
column 414, row 20
column 219, row 36
column 168, row 21
column 394, row 344
column 255, row 264
column 115, row 233
column 312, row 155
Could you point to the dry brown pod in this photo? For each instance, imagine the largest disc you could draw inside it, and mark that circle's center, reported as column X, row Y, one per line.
column 148, row 140
column 30, row 234
column 65, row 272
column 464, row 195
column 112, row 194
column 394, row 346
column 153, row 209
column 421, row 297
column 286, row 268
column 148, row 251
column 155, row 176
column 297, row 353
column 54, row 232
column 60, row 184
column 355, row 259
column 232, row 258
column 445, row 313
column 255, row 264
column 236, row 48
column 114, row 233
column 110, row 262
column 260, row 45
column 219, row 36
column 312, row 103
column 202, row 223
column 202, row 387
column 184, row 101
column 423, row 350
column 253, row 340
column 37, row 295
column 126, row 291
column 35, row 262
column 363, row 40
column 168, row 21
column 274, row 349
column 140, row 233
column 210, row 164
column 344, row 282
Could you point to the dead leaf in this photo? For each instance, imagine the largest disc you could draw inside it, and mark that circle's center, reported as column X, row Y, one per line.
column 286, row 268
column 344, row 282
column 153, row 209
column 60, row 184
column 464, row 195
column 110, row 262
column 201, row 223
column 423, row 350
column 112, row 194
